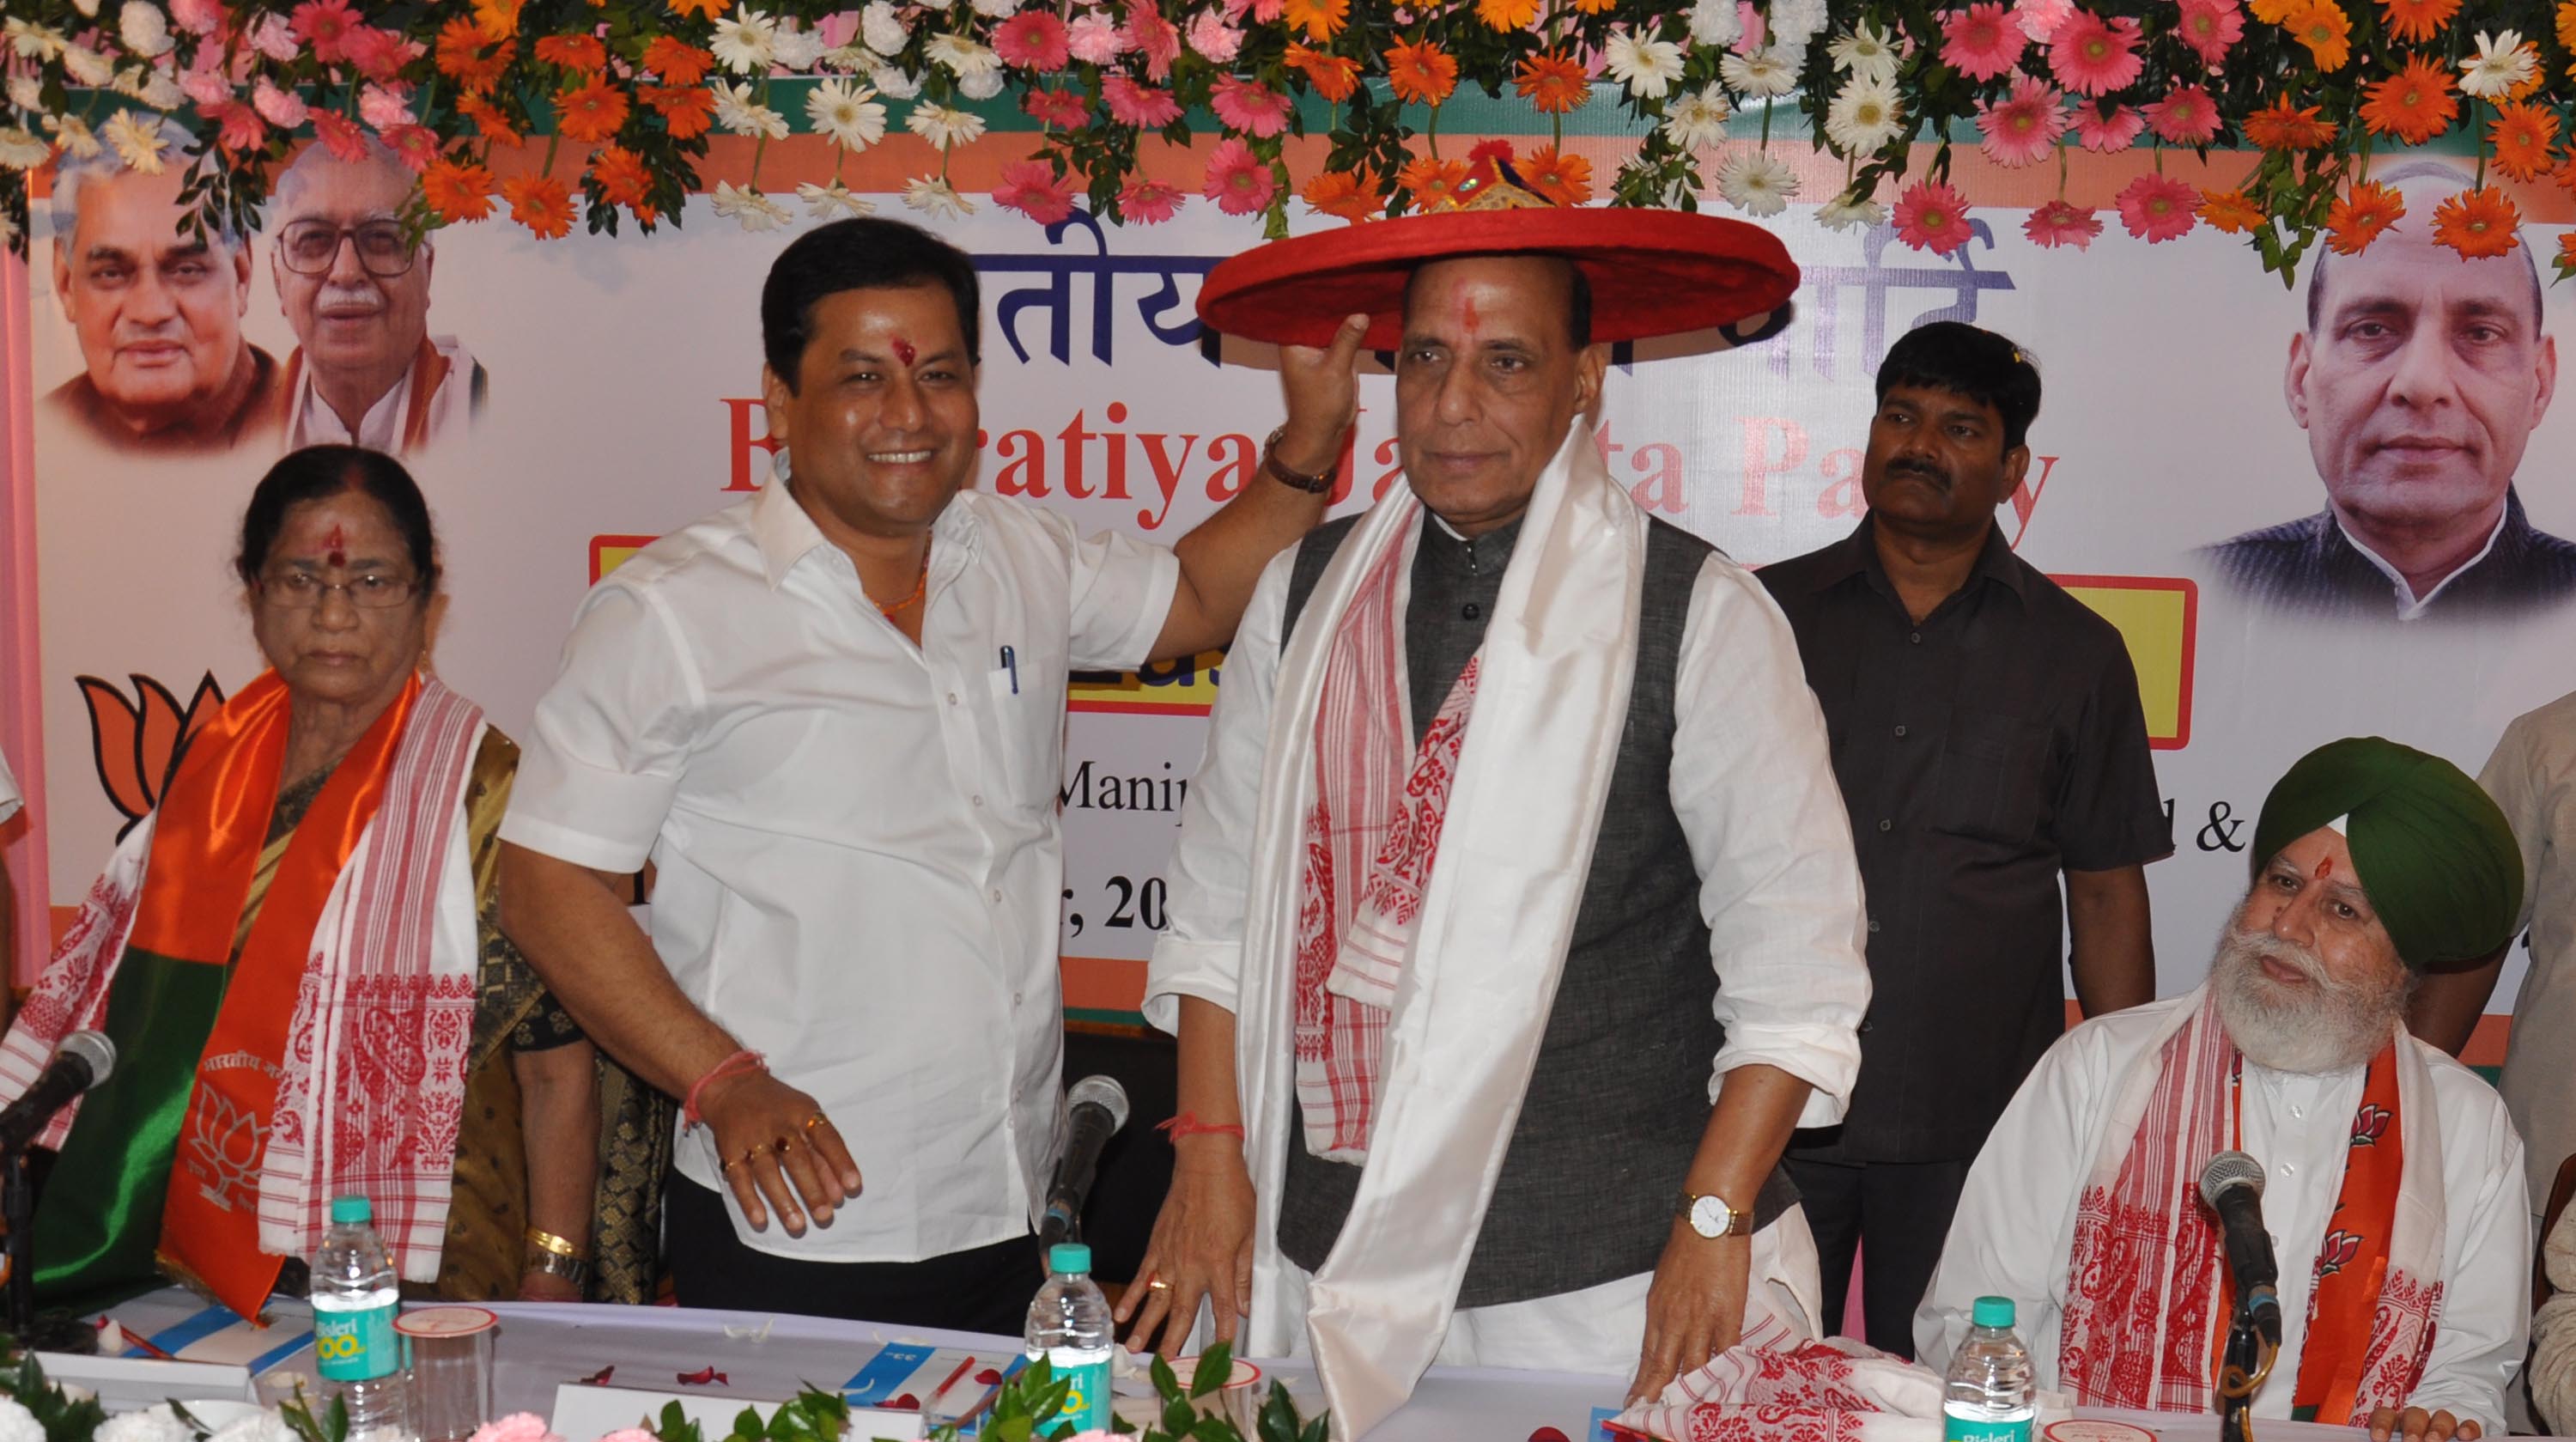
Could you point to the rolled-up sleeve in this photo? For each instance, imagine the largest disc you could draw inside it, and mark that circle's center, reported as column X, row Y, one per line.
column 1201, row 951
column 612, row 733
column 1122, row 592
column 1753, row 786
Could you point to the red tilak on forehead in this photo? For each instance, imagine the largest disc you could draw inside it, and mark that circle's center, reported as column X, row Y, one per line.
column 903, row 350
column 337, row 543
column 2325, row 868
column 1474, row 321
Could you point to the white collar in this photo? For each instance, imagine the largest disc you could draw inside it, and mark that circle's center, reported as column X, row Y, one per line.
column 2409, row 607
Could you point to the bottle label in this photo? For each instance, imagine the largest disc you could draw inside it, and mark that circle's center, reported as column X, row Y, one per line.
column 358, row 1345
column 1956, row 1428
column 1086, row 1403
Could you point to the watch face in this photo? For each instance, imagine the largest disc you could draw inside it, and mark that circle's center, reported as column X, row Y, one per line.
column 1708, row 1217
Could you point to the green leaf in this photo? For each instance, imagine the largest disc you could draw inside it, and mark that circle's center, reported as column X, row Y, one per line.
column 1165, row 1384
column 1215, row 1368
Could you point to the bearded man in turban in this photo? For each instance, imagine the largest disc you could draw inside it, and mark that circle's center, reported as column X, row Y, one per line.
column 2394, row 1194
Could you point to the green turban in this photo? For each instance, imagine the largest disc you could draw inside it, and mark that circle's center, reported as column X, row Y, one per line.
column 2435, row 856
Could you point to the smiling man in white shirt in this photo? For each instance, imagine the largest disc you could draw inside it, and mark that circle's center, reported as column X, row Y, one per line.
column 832, row 717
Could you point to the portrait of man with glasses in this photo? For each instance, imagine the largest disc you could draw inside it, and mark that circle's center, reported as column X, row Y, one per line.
column 355, row 289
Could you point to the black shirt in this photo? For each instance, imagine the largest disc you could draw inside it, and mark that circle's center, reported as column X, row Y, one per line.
column 1980, row 752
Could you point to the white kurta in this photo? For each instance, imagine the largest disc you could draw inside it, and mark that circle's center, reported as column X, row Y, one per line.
column 312, row 422
column 2015, row 1227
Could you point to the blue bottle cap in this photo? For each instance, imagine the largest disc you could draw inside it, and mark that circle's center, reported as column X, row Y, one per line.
column 1992, row 1312
column 352, row 1209
column 1069, row 1257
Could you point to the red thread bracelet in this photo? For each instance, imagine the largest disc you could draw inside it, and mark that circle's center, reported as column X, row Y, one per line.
column 741, row 1061
column 1187, row 1124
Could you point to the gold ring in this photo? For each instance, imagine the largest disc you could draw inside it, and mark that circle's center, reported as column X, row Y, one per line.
column 817, row 1120
column 757, row 1150
column 1158, row 1284
column 728, row 1167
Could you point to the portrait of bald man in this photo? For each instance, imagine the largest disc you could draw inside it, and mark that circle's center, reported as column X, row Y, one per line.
column 2419, row 378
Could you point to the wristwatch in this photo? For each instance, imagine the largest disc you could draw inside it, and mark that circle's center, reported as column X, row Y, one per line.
column 1711, row 1217
column 1311, row 485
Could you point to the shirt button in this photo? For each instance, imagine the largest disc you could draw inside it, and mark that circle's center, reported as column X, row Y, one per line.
column 2298, row 1111
column 952, row 698
column 1900, row 731
column 979, row 801
column 1873, row 926
column 997, row 896
column 2289, row 1169
column 1916, row 638
column 1887, row 826
column 1016, row 998
column 1471, row 610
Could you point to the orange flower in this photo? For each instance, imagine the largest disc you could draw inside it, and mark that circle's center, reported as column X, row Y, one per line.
column 466, row 56
column 591, row 113
column 2563, row 175
column 705, row 9
column 2418, row 20
column 1424, row 73
column 2522, row 135
column 686, row 110
column 2566, row 254
column 2478, row 223
column 1333, row 76
column 488, row 119
column 2567, row 24
column 620, row 175
column 1564, row 179
column 455, row 190
column 1350, row 197
column 2231, row 211
column 2354, row 221
column 1433, row 182
column 573, row 52
column 1507, row 15
column 1592, row 7
column 539, row 202
column 677, row 61
column 2415, row 104
column 498, row 19
column 1553, row 84
column 2274, row 12
column 2282, row 126
column 1320, row 19
column 2322, row 26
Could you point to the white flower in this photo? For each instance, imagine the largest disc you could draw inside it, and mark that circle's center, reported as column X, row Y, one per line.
column 1715, row 23
column 738, row 112
column 1866, row 52
column 933, row 195
column 1697, row 119
column 996, row 9
column 1647, row 67
column 747, row 43
column 850, row 58
column 88, row 66
column 21, row 149
column 1845, row 212
column 883, row 28
column 143, row 28
column 982, row 85
column 794, row 48
column 26, row 92
column 258, row 1427
column 8, row 229
column 153, row 1424
column 752, row 209
column 1792, row 23
column 2502, row 63
column 961, row 55
column 942, row 126
column 826, row 201
column 32, row 41
column 17, row 1424
column 1865, row 116
column 894, row 83
column 160, row 91
column 849, row 115
column 1769, row 72
column 73, row 135
column 136, row 140
column 1756, row 184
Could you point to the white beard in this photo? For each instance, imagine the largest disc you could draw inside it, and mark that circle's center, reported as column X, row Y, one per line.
column 2324, row 1027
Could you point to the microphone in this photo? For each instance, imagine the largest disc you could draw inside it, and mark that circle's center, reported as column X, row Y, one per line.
column 1099, row 1108
column 2232, row 1185
column 83, row 1061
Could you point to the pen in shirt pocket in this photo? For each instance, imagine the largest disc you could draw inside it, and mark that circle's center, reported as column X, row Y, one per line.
column 1011, row 663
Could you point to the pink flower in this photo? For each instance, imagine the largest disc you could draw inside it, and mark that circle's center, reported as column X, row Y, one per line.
column 416, row 146
column 1132, row 104
column 1032, row 188
column 2058, row 223
column 1250, row 106
column 2094, row 56
column 378, row 54
column 206, row 83
column 1978, row 43
column 2212, row 28
column 1932, row 216
column 197, row 17
column 1032, row 40
column 385, row 106
column 2157, row 209
column 274, row 38
column 2186, row 116
column 1239, row 181
column 1093, row 38
column 239, row 126
column 1152, row 36
column 1212, row 37
column 2108, row 134
column 2039, row 19
column 1149, row 202
column 341, row 136
column 2023, row 127
column 324, row 25
column 1264, row 12
column 281, row 108
column 517, row 1427
column 1057, row 109
column 630, row 1434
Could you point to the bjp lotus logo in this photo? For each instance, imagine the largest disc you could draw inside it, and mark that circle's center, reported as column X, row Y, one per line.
column 2370, row 1124
column 136, row 742
column 2340, row 1250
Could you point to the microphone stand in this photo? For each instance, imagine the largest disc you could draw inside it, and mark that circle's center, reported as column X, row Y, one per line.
column 54, row 1331
column 2247, row 1361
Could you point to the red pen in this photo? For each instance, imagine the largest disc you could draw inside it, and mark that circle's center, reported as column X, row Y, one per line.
column 935, row 1392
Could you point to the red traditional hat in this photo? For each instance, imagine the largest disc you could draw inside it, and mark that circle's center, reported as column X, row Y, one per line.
column 1653, row 272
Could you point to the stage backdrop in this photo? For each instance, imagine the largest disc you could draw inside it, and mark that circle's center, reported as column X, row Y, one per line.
column 619, row 380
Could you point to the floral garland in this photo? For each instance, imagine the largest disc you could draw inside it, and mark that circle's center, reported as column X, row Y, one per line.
column 1334, row 104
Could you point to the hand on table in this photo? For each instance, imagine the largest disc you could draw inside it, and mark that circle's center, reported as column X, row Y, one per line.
column 1202, row 1248
column 1323, row 393
column 1695, row 1309
column 779, row 1152
column 2416, row 1425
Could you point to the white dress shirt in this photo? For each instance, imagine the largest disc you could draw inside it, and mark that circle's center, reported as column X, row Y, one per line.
column 859, row 860
column 2015, row 1227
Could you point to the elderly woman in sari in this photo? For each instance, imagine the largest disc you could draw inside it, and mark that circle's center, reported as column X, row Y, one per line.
column 297, row 959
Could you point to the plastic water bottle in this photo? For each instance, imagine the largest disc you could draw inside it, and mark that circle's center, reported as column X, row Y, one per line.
column 355, row 1298
column 1987, row 1397
column 1069, row 1327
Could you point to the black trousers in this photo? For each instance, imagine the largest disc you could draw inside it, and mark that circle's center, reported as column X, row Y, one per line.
column 1898, row 1214
column 985, row 1289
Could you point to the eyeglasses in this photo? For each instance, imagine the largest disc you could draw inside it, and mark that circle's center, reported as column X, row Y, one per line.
column 310, row 246
column 303, row 591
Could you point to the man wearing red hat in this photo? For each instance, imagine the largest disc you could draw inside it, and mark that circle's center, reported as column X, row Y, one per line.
column 1463, row 1111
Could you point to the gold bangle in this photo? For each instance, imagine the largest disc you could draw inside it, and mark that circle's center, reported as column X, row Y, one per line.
column 548, row 1242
